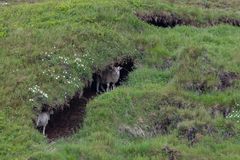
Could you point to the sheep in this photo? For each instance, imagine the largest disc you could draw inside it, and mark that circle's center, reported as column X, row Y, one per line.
column 108, row 76
column 42, row 120
column 115, row 76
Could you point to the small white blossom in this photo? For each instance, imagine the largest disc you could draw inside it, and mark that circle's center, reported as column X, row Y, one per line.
column 31, row 100
column 3, row 3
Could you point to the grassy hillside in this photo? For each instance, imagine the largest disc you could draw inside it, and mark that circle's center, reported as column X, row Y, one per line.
column 182, row 100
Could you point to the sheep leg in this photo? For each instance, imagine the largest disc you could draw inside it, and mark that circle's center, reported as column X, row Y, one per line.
column 97, row 86
column 113, row 86
column 37, row 123
column 103, row 88
column 44, row 127
column 108, row 85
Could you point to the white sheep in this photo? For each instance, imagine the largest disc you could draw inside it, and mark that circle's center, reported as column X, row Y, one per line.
column 108, row 76
column 114, row 76
column 42, row 120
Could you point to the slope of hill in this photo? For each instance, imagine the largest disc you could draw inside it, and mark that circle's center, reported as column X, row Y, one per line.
column 180, row 102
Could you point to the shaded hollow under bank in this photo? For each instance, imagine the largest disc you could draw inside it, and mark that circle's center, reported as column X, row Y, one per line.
column 167, row 19
column 70, row 118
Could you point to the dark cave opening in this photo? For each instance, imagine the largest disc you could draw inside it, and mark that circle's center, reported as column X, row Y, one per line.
column 170, row 20
column 66, row 121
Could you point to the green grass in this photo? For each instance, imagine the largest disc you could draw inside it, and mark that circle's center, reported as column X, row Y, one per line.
column 220, row 4
column 49, row 48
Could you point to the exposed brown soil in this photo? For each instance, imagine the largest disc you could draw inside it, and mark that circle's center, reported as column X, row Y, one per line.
column 172, row 153
column 163, row 19
column 219, row 110
column 162, row 127
column 200, row 87
column 227, row 79
column 167, row 63
column 167, row 19
column 67, row 121
column 70, row 118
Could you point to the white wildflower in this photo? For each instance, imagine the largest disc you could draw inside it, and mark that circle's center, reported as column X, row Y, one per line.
column 31, row 100
column 3, row 3
column 45, row 95
column 78, row 60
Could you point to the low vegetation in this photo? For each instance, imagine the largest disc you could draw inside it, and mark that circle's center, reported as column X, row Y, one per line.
column 182, row 101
